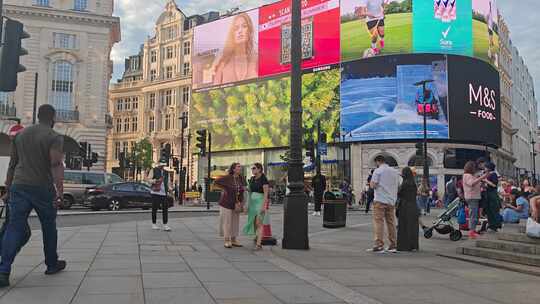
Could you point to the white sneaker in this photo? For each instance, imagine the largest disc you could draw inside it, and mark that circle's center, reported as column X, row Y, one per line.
column 166, row 228
column 155, row 227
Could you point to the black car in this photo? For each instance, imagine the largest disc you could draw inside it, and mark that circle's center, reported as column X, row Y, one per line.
column 120, row 196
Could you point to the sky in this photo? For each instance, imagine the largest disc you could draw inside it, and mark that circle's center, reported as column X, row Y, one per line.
column 137, row 18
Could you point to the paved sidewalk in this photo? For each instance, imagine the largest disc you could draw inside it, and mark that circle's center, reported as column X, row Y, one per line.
column 130, row 263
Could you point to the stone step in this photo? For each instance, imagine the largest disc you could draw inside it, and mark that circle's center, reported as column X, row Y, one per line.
column 526, row 269
column 522, row 228
column 509, row 246
column 512, row 257
column 517, row 237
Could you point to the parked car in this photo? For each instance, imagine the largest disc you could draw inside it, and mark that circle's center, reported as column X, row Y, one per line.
column 77, row 181
column 120, row 196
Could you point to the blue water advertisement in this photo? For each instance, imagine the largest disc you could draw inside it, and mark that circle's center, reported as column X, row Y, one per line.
column 386, row 98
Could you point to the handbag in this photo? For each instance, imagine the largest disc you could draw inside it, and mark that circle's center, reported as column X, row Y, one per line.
column 461, row 216
column 533, row 228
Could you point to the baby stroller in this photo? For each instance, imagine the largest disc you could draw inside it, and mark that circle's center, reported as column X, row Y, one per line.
column 444, row 223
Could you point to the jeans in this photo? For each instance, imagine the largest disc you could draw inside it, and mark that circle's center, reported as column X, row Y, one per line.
column 21, row 202
column 318, row 201
column 423, row 203
column 384, row 213
column 473, row 213
column 157, row 202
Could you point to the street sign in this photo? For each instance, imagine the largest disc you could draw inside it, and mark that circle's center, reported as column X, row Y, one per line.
column 323, row 149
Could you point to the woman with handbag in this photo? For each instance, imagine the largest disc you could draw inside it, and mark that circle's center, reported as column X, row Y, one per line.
column 408, row 213
column 159, row 181
column 231, row 204
column 258, row 204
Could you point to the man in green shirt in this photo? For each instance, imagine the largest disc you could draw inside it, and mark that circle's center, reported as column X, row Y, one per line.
column 35, row 179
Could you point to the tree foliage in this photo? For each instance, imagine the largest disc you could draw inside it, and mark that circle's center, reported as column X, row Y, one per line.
column 142, row 154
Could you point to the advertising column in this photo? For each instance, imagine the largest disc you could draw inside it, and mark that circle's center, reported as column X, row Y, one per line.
column 443, row 26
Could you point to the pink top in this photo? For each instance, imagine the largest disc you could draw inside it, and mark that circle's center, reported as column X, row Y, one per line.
column 471, row 191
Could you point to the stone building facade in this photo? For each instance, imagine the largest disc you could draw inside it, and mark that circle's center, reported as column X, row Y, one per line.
column 69, row 49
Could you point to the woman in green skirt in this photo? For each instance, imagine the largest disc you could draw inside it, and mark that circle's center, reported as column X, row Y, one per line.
column 257, row 204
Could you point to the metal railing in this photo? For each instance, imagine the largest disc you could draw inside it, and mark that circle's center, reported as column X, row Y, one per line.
column 67, row 115
column 7, row 110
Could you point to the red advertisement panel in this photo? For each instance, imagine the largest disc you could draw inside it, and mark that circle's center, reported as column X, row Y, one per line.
column 320, row 35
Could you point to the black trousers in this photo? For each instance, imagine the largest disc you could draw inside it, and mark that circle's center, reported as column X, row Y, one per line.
column 318, row 201
column 159, row 201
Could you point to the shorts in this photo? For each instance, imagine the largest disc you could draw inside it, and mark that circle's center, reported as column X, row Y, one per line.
column 373, row 23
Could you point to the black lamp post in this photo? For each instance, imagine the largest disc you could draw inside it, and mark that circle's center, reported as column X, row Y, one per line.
column 295, row 218
column 426, row 163
column 184, row 124
column 533, row 154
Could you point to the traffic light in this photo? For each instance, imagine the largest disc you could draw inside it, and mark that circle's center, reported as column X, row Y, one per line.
column 122, row 160
column 95, row 157
column 83, row 152
column 201, row 141
column 310, row 150
column 10, row 52
column 166, row 154
column 419, row 150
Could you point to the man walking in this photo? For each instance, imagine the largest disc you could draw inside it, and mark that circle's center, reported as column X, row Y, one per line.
column 35, row 180
column 319, row 186
column 385, row 182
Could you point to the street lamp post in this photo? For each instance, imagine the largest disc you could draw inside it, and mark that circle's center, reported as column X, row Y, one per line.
column 184, row 122
column 533, row 142
column 295, row 218
column 424, row 104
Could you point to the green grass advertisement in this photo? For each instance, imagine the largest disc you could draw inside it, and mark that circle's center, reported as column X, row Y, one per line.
column 375, row 27
column 256, row 115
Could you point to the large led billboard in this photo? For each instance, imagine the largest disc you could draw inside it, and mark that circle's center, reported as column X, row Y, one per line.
column 375, row 27
column 383, row 98
column 256, row 115
column 320, row 35
column 475, row 101
column 226, row 51
column 486, row 30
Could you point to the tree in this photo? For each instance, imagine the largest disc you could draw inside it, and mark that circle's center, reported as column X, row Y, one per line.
column 142, row 155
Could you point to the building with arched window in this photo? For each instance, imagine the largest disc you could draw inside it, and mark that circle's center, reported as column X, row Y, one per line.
column 69, row 50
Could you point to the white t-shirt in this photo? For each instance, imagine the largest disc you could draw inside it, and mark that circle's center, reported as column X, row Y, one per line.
column 162, row 189
column 387, row 180
column 374, row 8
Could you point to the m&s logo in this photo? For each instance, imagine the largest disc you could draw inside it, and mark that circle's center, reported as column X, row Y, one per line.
column 485, row 99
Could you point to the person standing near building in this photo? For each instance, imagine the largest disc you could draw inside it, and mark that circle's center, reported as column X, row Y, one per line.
column 407, row 238
column 319, row 186
column 423, row 196
column 160, row 187
column 451, row 191
column 385, row 182
column 370, row 193
column 35, row 180
column 472, row 188
column 231, row 204
column 493, row 203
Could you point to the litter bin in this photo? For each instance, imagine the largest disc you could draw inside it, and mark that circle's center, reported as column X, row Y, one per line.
column 335, row 210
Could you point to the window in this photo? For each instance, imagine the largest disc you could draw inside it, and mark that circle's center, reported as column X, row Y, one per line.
column 168, row 97
column 127, row 104
column 169, row 72
column 125, row 147
column 118, row 125
column 142, row 188
column 124, row 188
column 120, row 105
column 41, row 2
column 187, row 47
column 62, row 85
column 80, row 5
column 113, row 178
column 135, row 102
column 116, row 150
column 64, row 41
column 169, row 32
column 134, row 63
column 73, row 178
column 167, row 121
column 185, row 95
column 153, row 75
column 153, row 56
column 151, row 124
column 169, row 52
column 152, row 103
column 93, row 179
column 126, row 124
column 134, row 124
column 186, row 69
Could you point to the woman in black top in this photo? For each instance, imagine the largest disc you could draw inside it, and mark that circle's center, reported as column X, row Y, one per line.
column 257, row 204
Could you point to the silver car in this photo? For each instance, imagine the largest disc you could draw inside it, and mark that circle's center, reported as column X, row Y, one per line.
column 77, row 181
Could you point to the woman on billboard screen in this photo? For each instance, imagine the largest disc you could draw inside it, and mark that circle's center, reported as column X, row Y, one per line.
column 239, row 60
